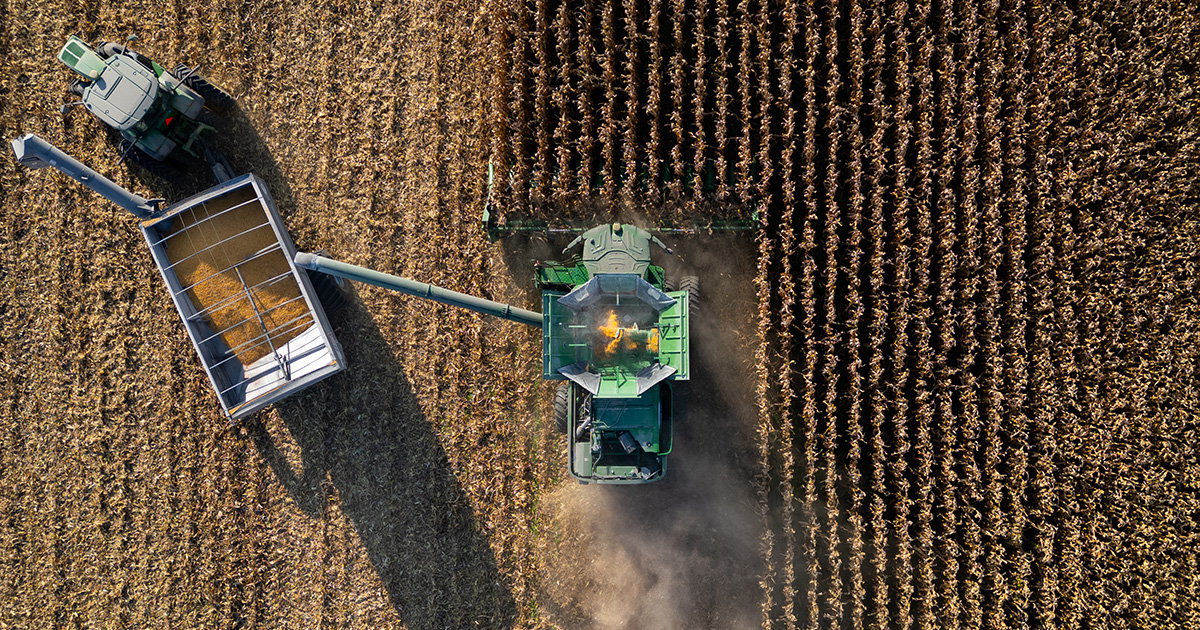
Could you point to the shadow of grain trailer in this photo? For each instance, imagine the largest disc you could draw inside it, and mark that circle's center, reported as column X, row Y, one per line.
column 252, row 315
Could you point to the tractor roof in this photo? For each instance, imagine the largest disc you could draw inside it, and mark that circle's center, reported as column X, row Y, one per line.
column 123, row 93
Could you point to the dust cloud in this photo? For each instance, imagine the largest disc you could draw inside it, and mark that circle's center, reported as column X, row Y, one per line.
column 683, row 552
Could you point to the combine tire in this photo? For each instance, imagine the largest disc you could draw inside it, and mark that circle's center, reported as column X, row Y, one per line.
column 76, row 88
column 215, row 98
column 143, row 161
column 691, row 284
column 562, row 398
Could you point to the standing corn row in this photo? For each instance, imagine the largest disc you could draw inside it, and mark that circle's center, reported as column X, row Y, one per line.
column 877, row 403
column 787, row 291
column 562, row 100
column 541, row 110
column 608, row 128
column 808, row 409
column 521, row 108
column 677, row 100
column 901, row 568
column 1047, row 328
column 993, row 581
column 587, row 87
column 947, row 549
column 699, row 94
column 745, row 146
column 922, row 377
column 1067, row 575
column 633, row 113
column 502, row 155
column 654, row 162
column 721, row 135
column 1016, row 371
column 969, row 271
column 854, row 431
column 831, row 615
column 787, row 296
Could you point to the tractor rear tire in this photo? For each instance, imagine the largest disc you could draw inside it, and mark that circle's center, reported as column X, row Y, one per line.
column 691, row 284
column 143, row 161
column 670, row 283
column 562, row 399
column 215, row 98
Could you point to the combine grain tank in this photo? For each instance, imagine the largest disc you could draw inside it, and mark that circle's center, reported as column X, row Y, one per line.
column 226, row 258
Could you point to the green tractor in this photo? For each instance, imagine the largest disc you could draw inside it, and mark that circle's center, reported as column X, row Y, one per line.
column 157, row 113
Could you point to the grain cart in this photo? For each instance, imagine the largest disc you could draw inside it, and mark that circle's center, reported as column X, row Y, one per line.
column 613, row 330
column 157, row 113
column 253, row 317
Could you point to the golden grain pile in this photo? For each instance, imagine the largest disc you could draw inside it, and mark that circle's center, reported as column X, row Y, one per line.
column 221, row 253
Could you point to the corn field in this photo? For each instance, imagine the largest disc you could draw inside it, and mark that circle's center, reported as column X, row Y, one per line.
column 976, row 281
column 949, row 382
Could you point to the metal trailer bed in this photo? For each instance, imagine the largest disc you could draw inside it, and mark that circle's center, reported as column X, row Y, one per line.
column 251, row 314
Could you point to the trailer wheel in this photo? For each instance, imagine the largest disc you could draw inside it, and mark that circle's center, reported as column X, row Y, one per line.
column 215, row 98
column 562, row 398
column 691, row 284
column 671, row 283
column 332, row 292
column 143, row 161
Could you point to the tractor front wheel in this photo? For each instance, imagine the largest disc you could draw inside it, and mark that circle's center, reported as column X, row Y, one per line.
column 562, row 398
column 215, row 98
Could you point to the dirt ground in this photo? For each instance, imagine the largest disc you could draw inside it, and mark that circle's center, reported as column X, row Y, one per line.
column 421, row 488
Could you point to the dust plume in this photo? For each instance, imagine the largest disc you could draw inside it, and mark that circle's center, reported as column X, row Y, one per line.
column 681, row 553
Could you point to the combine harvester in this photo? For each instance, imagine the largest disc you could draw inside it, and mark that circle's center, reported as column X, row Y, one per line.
column 614, row 327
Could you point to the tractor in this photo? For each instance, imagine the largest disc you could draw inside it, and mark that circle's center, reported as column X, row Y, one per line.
column 159, row 115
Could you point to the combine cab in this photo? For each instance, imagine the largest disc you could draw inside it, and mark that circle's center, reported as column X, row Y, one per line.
column 157, row 113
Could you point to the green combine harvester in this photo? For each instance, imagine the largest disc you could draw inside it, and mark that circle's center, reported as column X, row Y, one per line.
column 156, row 113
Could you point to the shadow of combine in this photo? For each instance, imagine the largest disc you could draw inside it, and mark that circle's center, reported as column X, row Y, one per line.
column 364, row 439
